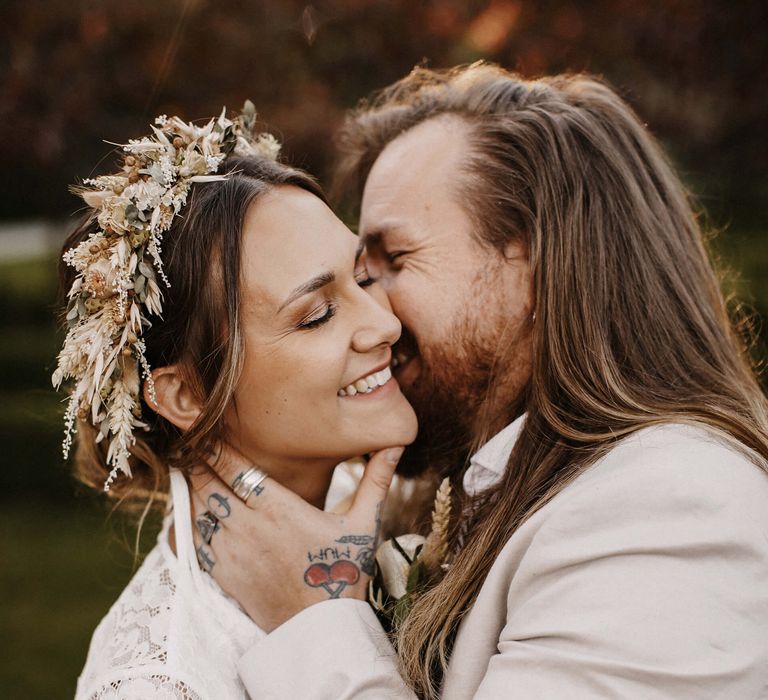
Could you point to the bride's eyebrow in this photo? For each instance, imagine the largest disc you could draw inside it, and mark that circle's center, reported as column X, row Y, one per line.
column 313, row 285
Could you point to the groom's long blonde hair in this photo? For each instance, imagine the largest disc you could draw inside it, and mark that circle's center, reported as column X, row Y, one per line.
column 631, row 328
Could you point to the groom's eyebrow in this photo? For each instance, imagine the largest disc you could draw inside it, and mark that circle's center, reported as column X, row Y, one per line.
column 376, row 236
column 308, row 287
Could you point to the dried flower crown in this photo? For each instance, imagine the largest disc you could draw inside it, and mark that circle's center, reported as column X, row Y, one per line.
column 116, row 288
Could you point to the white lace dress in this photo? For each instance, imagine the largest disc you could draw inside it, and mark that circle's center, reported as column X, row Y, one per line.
column 172, row 633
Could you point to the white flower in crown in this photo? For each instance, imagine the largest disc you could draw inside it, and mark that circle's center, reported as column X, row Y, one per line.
column 117, row 288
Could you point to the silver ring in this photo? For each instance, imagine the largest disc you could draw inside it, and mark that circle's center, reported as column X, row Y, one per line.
column 207, row 526
column 247, row 483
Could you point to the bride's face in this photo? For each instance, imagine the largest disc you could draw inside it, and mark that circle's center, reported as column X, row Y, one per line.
column 314, row 325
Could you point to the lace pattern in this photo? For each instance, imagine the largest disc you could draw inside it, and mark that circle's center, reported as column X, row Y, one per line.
column 150, row 686
column 172, row 632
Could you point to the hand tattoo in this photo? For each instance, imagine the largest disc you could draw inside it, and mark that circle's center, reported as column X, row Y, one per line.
column 334, row 579
column 330, row 553
column 219, row 506
column 205, row 558
column 367, row 560
column 343, row 572
column 207, row 525
column 356, row 539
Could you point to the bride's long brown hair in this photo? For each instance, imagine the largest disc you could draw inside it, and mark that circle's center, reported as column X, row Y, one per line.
column 631, row 328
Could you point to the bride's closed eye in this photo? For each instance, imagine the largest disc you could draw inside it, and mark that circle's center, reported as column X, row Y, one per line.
column 318, row 317
column 327, row 311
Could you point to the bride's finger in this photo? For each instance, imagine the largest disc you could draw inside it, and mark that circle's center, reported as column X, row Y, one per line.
column 375, row 482
column 211, row 494
column 229, row 463
column 204, row 550
column 204, row 521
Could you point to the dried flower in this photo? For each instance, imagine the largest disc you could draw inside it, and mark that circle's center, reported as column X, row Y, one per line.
column 436, row 547
column 116, row 289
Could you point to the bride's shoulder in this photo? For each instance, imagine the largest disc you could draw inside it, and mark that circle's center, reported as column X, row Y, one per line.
column 135, row 631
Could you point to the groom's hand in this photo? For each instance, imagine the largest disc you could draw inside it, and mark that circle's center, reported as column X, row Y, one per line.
column 276, row 554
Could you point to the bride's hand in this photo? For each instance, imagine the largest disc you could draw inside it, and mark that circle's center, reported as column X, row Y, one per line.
column 276, row 554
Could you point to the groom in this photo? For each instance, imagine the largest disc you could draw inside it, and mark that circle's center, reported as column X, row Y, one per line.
column 593, row 567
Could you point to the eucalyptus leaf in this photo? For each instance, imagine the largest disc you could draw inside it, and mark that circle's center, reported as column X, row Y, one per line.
column 139, row 283
column 72, row 314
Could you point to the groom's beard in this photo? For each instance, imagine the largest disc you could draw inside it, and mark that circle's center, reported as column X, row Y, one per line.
column 449, row 395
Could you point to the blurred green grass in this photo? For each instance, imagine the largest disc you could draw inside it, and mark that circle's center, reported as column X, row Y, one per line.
column 64, row 565
column 65, row 558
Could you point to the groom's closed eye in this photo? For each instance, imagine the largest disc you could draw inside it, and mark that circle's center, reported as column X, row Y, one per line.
column 387, row 247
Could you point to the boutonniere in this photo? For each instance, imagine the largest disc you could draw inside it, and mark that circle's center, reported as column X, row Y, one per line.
column 407, row 564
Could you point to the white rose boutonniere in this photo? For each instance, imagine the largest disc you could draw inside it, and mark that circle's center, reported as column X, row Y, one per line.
column 408, row 563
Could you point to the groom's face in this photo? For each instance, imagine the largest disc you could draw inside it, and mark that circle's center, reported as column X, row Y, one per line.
column 465, row 308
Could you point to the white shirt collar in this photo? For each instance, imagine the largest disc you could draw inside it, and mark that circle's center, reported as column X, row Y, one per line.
column 487, row 465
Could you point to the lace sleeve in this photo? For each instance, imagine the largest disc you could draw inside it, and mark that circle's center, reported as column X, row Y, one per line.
column 157, row 686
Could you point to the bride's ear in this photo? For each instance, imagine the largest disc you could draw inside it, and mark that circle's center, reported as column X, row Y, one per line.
column 176, row 401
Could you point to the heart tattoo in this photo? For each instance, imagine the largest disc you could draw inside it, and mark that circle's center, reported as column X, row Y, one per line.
column 334, row 579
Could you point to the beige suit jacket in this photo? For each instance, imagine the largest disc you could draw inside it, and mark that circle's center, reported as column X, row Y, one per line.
column 647, row 577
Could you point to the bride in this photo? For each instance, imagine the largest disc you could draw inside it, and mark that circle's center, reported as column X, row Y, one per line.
column 212, row 296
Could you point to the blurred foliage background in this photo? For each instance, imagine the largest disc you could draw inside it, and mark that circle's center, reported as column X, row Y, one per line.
column 74, row 72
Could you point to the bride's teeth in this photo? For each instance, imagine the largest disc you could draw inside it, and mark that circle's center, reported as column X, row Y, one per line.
column 367, row 384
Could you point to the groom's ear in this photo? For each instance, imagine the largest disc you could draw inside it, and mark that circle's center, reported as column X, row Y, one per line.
column 176, row 402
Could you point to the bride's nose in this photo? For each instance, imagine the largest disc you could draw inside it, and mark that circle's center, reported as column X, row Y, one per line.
column 377, row 326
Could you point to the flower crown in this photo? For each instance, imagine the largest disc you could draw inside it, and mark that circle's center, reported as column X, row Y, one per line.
column 116, row 288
